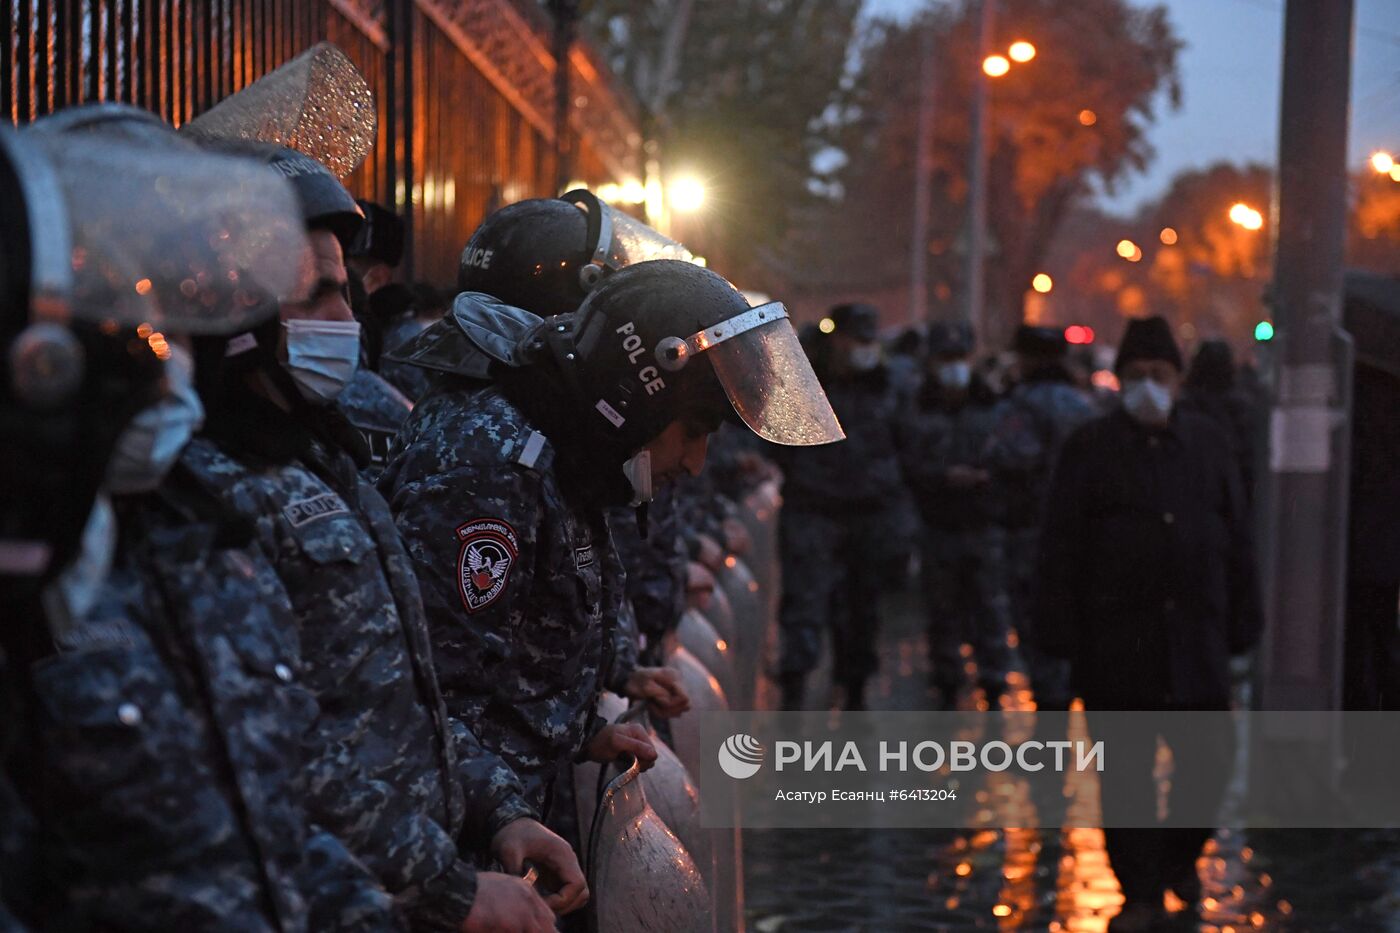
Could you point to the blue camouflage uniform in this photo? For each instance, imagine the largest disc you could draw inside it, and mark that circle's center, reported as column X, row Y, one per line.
column 412, row 381
column 1033, row 423
column 656, row 565
column 963, row 561
column 845, row 530
column 388, row 777
column 520, row 578
column 377, row 411
column 169, row 734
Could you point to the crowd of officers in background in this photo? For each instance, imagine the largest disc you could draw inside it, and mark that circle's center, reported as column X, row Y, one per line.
column 949, row 456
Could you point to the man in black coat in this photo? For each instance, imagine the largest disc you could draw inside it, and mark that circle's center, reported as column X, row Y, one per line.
column 1147, row 585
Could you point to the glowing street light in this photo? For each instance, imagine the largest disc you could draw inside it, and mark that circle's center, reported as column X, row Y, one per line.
column 1021, row 51
column 687, row 194
column 1246, row 216
column 1382, row 162
column 1042, row 283
column 1167, row 236
column 1129, row 250
column 1088, row 118
column 826, row 325
column 633, row 192
column 996, row 65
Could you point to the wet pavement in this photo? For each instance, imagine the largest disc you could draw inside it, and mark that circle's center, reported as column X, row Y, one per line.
column 863, row 881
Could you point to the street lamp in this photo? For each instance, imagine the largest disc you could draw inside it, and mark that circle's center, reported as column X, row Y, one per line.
column 687, row 194
column 1021, row 51
column 1246, row 216
column 1042, row 283
column 1382, row 162
column 1129, row 250
column 995, row 65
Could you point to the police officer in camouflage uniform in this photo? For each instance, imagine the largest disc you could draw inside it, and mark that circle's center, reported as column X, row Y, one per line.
column 400, row 782
column 501, row 480
column 388, row 313
column 1038, row 415
column 964, row 590
column 845, row 517
column 159, row 746
column 544, row 256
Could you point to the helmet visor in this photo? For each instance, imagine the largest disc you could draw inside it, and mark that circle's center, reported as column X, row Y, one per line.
column 179, row 240
column 633, row 241
column 768, row 378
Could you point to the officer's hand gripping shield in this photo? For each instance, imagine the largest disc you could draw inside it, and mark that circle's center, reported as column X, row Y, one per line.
column 758, row 359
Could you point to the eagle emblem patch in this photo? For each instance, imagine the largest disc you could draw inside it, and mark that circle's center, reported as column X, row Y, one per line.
column 488, row 552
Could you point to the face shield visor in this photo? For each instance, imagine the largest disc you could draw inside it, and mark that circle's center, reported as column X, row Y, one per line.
column 619, row 240
column 168, row 240
column 767, row 376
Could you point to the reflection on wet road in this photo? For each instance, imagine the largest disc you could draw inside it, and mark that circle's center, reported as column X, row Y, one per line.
column 844, row 881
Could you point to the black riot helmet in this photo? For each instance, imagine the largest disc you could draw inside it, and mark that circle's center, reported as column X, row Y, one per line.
column 381, row 239
column 666, row 339
column 547, row 254
column 325, row 204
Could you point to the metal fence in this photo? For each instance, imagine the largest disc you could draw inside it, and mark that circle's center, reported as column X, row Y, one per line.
column 464, row 90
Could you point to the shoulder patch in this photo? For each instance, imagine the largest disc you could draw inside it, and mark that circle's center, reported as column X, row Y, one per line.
column 487, row 555
column 308, row 510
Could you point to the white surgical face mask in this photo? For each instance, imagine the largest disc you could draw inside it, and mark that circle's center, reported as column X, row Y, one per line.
column 1148, row 401
column 864, row 357
column 955, row 375
column 149, row 446
column 637, row 469
column 322, row 357
column 78, row 586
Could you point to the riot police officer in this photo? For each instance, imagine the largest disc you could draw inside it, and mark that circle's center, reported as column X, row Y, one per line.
column 501, row 479
column 156, row 762
column 389, row 313
column 395, row 777
column 963, row 563
column 845, row 519
column 544, row 256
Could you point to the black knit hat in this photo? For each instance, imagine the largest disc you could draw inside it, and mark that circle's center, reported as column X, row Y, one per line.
column 1148, row 338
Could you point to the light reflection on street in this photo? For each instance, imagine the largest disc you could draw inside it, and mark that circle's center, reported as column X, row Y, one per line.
column 1029, row 879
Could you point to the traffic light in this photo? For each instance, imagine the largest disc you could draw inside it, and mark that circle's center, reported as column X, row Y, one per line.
column 1264, row 331
column 1079, row 334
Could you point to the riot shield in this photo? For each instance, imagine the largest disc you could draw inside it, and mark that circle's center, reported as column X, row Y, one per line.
column 318, row 104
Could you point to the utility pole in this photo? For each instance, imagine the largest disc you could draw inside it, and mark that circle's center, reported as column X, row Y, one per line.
column 1304, row 547
column 923, row 153
column 566, row 14
column 977, row 181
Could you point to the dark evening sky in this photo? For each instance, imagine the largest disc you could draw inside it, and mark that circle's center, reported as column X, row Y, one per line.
column 1230, row 78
